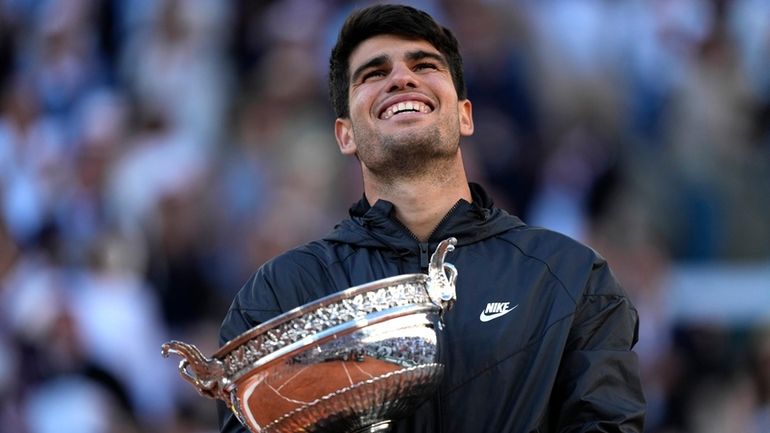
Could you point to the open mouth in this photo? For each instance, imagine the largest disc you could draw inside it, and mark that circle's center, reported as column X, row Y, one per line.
column 405, row 107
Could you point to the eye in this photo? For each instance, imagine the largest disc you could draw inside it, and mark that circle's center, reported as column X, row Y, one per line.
column 425, row 66
column 375, row 73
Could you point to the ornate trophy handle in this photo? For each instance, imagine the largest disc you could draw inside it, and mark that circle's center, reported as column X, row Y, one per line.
column 207, row 375
column 442, row 276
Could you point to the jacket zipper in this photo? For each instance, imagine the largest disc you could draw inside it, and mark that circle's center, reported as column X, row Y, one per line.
column 424, row 247
column 424, row 260
column 445, row 218
column 424, row 254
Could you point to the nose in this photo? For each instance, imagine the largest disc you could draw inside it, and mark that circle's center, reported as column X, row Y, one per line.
column 402, row 77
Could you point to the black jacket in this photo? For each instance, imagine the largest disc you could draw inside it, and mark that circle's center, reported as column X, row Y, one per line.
column 560, row 361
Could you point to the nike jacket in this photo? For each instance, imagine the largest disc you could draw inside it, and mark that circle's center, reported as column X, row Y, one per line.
column 539, row 339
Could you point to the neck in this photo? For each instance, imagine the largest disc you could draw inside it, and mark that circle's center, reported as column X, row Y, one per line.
column 421, row 202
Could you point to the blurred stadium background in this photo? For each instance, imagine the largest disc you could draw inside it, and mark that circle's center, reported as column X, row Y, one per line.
column 154, row 153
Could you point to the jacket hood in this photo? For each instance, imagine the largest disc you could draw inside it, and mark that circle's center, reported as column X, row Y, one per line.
column 376, row 226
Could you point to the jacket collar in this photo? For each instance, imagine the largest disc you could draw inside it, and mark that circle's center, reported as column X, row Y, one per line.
column 376, row 226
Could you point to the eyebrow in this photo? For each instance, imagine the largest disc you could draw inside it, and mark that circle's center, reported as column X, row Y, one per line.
column 372, row 63
column 422, row 54
column 384, row 59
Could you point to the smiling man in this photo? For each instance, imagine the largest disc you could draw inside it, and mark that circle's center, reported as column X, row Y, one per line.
column 404, row 124
column 540, row 339
column 404, row 112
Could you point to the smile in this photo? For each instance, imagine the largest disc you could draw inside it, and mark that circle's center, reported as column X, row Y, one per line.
column 405, row 107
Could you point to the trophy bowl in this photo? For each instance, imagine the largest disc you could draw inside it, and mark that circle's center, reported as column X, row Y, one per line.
column 352, row 361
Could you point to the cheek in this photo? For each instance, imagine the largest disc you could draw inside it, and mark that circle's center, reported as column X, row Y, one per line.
column 361, row 101
column 437, row 81
column 448, row 92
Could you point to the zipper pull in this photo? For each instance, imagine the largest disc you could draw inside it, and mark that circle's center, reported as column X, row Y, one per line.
column 424, row 254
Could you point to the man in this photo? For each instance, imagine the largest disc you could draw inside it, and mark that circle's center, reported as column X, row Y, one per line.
column 557, row 355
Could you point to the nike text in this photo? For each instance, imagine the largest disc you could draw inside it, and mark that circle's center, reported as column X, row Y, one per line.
column 495, row 310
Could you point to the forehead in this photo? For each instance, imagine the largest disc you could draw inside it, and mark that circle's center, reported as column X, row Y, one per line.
column 391, row 46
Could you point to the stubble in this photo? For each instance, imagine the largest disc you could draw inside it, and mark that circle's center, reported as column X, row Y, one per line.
column 408, row 156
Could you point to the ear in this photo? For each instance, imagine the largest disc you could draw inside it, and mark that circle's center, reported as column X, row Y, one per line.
column 343, row 131
column 465, row 110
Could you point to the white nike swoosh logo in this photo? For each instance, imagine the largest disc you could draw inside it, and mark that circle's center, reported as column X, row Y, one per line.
column 484, row 317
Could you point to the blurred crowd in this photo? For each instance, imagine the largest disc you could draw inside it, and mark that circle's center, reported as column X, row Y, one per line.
column 153, row 153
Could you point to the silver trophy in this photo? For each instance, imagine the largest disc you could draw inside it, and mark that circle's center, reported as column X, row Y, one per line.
column 349, row 362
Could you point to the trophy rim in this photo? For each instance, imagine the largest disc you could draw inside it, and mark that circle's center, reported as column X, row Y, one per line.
column 337, row 331
column 319, row 303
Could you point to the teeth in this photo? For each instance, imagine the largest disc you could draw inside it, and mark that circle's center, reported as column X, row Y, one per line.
column 405, row 106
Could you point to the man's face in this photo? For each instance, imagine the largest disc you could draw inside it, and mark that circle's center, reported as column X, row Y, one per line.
column 404, row 110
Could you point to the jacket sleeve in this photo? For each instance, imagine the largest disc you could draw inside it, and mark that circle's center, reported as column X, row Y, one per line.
column 255, row 303
column 285, row 282
column 598, row 388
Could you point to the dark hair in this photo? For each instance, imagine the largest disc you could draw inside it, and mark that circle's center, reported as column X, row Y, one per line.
column 399, row 20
